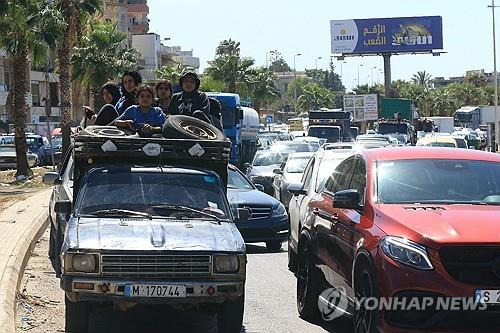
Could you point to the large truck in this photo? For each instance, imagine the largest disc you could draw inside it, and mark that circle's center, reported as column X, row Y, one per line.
column 241, row 126
column 442, row 124
column 331, row 124
column 468, row 117
column 398, row 116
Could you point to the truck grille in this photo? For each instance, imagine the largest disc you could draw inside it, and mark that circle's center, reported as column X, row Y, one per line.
column 155, row 266
column 258, row 212
column 478, row 265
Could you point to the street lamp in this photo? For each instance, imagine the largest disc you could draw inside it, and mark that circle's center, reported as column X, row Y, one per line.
column 341, row 72
column 316, row 61
column 374, row 67
column 495, row 75
column 360, row 65
column 294, row 77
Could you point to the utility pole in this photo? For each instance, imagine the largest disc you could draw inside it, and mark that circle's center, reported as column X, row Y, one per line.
column 495, row 75
column 387, row 76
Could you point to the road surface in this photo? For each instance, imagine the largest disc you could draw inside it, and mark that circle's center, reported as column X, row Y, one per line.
column 270, row 301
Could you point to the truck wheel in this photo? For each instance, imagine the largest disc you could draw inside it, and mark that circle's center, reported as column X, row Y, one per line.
column 77, row 316
column 230, row 316
column 186, row 127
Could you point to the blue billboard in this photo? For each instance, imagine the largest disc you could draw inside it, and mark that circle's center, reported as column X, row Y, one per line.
column 387, row 35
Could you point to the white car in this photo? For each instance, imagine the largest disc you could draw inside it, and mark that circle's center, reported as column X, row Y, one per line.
column 315, row 175
column 8, row 159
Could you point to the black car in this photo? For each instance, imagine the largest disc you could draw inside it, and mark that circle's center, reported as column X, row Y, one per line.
column 268, row 221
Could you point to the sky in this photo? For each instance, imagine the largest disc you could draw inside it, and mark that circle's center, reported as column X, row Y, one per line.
column 297, row 26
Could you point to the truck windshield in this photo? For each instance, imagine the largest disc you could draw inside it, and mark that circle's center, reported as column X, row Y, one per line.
column 438, row 181
column 325, row 132
column 108, row 189
column 463, row 117
column 386, row 128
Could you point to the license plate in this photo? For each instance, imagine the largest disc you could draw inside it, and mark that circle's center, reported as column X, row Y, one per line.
column 488, row 296
column 155, row 290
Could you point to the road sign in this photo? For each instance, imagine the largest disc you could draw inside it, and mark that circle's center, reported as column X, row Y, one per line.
column 269, row 119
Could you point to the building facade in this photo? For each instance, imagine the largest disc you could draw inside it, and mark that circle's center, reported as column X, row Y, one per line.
column 138, row 12
column 154, row 55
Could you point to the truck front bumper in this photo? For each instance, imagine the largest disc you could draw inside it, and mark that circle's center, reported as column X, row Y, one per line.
column 108, row 290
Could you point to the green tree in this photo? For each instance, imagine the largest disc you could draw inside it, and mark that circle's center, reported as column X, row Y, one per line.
column 313, row 97
column 170, row 72
column 333, row 81
column 261, row 87
column 229, row 67
column 208, row 84
column 476, row 79
column 422, row 78
column 297, row 85
column 27, row 29
column 102, row 57
column 76, row 13
column 366, row 89
column 278, row 63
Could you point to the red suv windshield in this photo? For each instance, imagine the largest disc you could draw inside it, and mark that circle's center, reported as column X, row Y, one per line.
column 438, row 181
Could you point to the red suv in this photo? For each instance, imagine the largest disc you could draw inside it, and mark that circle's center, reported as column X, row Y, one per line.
column 405, row 223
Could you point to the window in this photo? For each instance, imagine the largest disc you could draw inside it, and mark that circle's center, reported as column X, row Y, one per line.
column 306, row 179
column 35, row 94
column 341, row 177
column 358, row 181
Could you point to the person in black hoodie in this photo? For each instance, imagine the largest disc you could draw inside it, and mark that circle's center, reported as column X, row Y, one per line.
column 190, row 102
column 110, row 93
column 130, row 81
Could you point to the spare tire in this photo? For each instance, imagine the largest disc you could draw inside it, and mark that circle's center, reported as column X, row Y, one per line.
column 105, row 131
column 186, row 127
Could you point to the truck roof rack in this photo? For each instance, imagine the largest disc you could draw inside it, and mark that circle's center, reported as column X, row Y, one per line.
column 153, row 149
column 91, row 150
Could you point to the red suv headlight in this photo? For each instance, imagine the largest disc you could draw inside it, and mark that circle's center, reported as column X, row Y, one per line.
column 406, row 252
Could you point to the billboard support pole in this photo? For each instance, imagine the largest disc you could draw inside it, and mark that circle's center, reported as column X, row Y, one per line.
column 387, row 74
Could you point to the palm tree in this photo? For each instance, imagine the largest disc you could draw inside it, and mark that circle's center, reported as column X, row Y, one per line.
column 228, row 47
column 262, row 87
column 27, row 28
column 229, row 67
column 231, row 70
column 314, row 97
column 422, row 78
column 74, row 12
column 102, row 57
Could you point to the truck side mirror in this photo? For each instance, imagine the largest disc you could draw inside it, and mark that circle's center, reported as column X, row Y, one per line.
column 63, row 207
column 241, row 114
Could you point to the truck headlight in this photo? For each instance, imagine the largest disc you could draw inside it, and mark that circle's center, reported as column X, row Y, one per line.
column 406, row 252
column 279, row 210
column 226, row 263
column 85, row 263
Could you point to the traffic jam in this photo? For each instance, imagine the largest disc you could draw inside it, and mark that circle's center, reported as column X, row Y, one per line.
column 394, row 236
